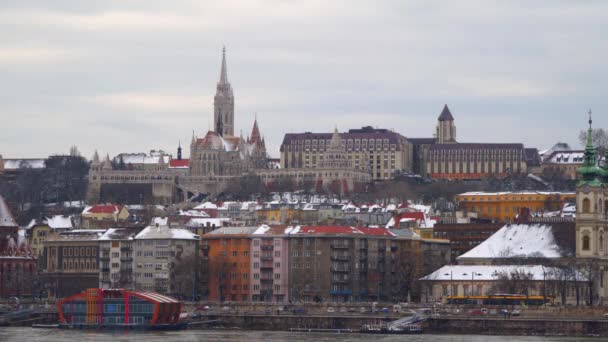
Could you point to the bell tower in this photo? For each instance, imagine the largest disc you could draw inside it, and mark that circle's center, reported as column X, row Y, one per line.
column 590, row 204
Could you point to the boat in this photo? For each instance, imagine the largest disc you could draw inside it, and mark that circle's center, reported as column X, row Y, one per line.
column 120, row 309
column 413, row 328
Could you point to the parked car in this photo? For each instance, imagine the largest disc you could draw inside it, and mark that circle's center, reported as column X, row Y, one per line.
column 362, row 310
column 331, row 310
column 479, row 312
column 384, row 310
column 299, row 311
column 343, row 310
column 515, row 312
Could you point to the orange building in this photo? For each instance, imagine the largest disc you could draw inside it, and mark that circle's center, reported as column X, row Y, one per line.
column 504, row 206
column 226, row 255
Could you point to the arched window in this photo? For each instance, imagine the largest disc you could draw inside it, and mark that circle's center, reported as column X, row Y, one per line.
column 601, row 241
column 586, row 242
column 586, row 205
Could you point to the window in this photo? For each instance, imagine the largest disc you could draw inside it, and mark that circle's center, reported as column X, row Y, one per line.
column 246, row 253
column 277, row 242
column 256, row 265
column 277, row 254
column 256, row 276
column 256, row 242
column 277, row 288
column 277, row 264
column 586, row 243
column 586, row 205
column 256, row 287
column 277, row 276
column 234, row 253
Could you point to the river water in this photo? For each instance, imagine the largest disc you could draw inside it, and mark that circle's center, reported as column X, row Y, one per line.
column 49, row 335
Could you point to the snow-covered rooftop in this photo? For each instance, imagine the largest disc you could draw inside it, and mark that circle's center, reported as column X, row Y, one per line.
column 142, row 158
column 159, row 232
column 59, row 222
column 117, row 234
column 517, row 241
column 6, row 217
column 206, row 205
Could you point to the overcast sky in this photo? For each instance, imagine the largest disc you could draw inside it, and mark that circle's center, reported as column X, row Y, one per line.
column 130, row 76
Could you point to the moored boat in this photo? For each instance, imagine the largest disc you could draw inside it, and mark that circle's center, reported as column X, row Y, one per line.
column 120, row 309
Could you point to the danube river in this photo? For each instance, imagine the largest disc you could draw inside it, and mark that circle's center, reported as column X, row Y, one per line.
column 49, row 335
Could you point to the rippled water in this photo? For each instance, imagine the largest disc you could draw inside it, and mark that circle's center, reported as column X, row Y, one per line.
column 49, row 335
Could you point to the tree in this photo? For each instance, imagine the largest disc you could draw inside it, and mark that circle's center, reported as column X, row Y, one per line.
column 186, row 275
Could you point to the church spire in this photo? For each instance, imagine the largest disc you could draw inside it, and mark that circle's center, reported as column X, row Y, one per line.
column 179, row 150
column 589, row 170
column 224, row 72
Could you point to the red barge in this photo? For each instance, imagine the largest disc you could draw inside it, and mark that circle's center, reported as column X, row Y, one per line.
column 119, row 309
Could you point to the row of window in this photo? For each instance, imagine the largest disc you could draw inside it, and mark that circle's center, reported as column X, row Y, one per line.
column 79, row 251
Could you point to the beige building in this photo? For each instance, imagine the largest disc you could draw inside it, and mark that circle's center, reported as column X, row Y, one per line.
column 379, row 152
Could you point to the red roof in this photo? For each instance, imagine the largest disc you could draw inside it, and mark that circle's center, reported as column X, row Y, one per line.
column 179, row 163
column 105, row 209
column 376, row 231
column 328, row 230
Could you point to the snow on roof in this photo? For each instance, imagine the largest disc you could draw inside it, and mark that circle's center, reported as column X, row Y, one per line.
column 566, row 157
column 489, row 272
column 206, row 205
column 59, row 222
column 201, row 222
column 517, row 241
column 192, row 213
column 159, row 232
column 233, row 231
column 14, row 164
column 161, row 221
column 117, row 234
column 6, row 217
column 262, row 229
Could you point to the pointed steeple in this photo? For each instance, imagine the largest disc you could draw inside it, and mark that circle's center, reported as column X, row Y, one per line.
column 96, row 158
column 161, row 158
column 255, row 132
column 589, row 170
column 179, row 150
column 224, row 72
column 107, row 163
column 445, row 115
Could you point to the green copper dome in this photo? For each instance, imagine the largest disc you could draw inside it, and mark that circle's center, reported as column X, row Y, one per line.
column 590, row 173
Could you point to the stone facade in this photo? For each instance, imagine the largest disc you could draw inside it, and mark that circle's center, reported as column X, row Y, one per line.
column 378, row 152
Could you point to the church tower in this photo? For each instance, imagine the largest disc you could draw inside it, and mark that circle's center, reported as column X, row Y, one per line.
column 590, row 204
column 446, row 131
column 223, row 103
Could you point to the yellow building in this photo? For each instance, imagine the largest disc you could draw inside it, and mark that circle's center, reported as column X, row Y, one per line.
column 99, row 216
column 278, row 215
column 504, row 206
column 38, row 232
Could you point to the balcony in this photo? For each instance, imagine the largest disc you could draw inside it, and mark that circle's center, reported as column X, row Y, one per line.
column 267, row 265
column 266, row 280
column 381, row 248
column 267, row 247
column 104, row 258
column 266, row 258
column 126, row 249
column 340, row 246
column 105, row 270
column 394, row 248
column 126, row 258
column 363, row 246
column 338, row 257
column 363, row 257
column 340, row 269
